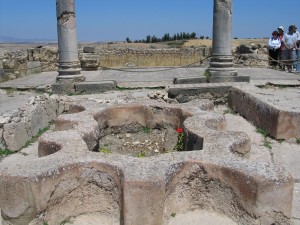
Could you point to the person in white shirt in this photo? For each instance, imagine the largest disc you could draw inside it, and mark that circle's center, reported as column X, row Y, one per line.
column 274, row 46
column 297, row 63
column 296, row 32
column 289, row 39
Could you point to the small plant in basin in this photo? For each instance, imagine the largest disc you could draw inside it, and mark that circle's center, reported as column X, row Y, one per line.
column 179, row 146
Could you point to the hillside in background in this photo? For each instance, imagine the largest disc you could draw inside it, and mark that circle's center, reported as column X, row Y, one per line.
column 8, row 39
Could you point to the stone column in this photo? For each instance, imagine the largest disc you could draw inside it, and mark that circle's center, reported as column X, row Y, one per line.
column 69, row 68
column 221, row 63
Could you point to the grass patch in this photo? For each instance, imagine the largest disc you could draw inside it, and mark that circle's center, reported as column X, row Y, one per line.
column 5, row 152
column 263, row 132
column 147, row 130
column 10, row 91
column 105, row 150
column 118, row 88
column 298, row 141
column 65, row 221
column 207, row 75
column 267, row 144
column 173, row 214
column 141, row 155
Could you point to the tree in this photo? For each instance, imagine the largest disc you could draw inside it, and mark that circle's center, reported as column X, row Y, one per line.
column 193, row 35
column 148, row 39
column 153, row 39
column 174, row 37
column 166, row 37
column 128, row 40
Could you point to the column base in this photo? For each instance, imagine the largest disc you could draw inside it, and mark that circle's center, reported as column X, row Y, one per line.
column 70, row 78
column 69, row 68
column 219, row 75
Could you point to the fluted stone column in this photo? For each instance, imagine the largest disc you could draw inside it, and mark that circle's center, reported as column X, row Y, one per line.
column 69, row 68
column 221, row 63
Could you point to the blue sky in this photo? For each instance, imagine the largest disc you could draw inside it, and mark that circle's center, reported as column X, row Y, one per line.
column 113, row 20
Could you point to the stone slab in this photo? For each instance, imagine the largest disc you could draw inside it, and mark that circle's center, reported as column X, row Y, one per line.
column 272, row 110
column 89, row 61
column 195, row 89
column 277, row 114
column 89, row 49
column 189, row 80
column 95, row 87
column 287, row 155
column 33, row 67
column 63, row 88
column 219, row 79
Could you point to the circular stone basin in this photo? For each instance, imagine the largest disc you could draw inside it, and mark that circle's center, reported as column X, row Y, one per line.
column 143, row 131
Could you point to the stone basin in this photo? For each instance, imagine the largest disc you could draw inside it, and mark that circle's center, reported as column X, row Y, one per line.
column 72, row 178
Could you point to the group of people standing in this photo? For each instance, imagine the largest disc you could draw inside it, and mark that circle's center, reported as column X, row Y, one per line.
column 284, row 49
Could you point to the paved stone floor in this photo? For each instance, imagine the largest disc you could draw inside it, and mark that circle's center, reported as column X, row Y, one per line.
column 285, row 153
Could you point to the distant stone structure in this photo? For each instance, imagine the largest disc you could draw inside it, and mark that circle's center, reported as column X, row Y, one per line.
column 221, row 64
column 69, row 65
column 70, row 62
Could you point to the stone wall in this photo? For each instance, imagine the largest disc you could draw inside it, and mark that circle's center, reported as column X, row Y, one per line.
column 15, row 64
column 151, row 57
column 20, row 126
column 254, row 55
column 20, row 63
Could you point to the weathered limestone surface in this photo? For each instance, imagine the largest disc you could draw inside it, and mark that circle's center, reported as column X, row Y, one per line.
column 46, row 55
column 266, row 110
column 15, row 135
column 17, row 129
column 14, row 64
column 33, row 67
column 95, row 87
column 148, row 190
column 89, row 61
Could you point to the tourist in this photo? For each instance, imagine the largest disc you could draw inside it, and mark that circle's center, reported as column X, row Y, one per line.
column 297, row 62
column 281, row 50
column 289, row 39
column 298, row 55
column 274, row 46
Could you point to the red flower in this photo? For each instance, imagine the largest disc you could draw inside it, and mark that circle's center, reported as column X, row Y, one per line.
column 179, row 130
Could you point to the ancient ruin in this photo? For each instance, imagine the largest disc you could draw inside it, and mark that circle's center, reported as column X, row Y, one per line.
column 144, row 160
column 71, row 170
column 69, row 66
column 221, row 62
